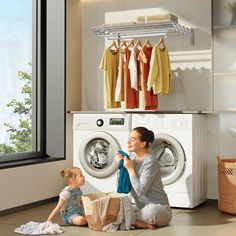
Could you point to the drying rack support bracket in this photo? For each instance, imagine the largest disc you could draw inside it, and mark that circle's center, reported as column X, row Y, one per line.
column 137, row 30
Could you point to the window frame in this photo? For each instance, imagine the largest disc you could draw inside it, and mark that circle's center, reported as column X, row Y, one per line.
column 41, row 102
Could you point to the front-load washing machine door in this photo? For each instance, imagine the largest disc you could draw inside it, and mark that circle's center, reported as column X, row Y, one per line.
column 97, row 154
column 171, row 157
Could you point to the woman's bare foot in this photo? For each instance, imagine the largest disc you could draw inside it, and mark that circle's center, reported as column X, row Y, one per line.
column 142, row 225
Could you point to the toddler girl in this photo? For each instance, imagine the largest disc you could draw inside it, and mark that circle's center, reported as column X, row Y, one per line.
column 69, row 204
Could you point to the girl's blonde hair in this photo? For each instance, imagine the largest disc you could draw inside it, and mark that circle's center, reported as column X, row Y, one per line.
column 69, row 173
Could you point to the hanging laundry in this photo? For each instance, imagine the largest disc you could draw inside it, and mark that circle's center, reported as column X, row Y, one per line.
column 119, row 91
column 160, row 78
column 150, row 100
column 131, row 95
column 134, row 66
column 109, row 64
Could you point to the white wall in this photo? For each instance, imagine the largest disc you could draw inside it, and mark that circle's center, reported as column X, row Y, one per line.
column 23, row 185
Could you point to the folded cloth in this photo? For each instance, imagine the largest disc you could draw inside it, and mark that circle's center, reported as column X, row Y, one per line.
column 163, row 17
column 119, row 24
column 40, row 228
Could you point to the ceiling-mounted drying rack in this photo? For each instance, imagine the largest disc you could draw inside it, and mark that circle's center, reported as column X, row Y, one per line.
column 136, row 30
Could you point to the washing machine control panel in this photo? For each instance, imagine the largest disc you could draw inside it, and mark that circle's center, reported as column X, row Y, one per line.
column 100, row 122
column 108, row 122
column 180, row 123
column 117, row 121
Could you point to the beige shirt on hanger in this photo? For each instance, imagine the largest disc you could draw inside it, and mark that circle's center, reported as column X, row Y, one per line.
column 109, row 64
column 159, row 78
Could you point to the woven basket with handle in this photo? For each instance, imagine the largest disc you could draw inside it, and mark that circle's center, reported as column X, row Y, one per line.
column 96, row 213
column 227, row 185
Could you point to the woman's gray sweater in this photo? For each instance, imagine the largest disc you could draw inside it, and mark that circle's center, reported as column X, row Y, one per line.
column 147, row 186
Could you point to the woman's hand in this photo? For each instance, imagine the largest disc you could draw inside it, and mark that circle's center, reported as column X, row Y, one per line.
column 118, row 157
column 128, row 164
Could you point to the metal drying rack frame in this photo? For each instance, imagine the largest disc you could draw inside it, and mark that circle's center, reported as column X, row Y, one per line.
column 136, row 30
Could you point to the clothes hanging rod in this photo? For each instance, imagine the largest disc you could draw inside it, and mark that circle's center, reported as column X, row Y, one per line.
column 135, row 30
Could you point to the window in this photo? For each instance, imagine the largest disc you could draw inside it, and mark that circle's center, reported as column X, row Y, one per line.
column 32, row 79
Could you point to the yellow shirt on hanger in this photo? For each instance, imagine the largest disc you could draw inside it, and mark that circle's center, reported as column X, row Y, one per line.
column 159, row 78
column 109, row 64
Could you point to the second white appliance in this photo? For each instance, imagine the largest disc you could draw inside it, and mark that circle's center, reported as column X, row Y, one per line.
column 180, row 147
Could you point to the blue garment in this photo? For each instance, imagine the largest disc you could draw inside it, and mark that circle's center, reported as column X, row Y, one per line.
column 124, row 185
column 73, row 208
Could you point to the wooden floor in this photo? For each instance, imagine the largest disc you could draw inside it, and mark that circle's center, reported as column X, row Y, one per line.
column 205, row 220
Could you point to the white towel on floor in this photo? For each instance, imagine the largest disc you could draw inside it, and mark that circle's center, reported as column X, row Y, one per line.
column 40, row 228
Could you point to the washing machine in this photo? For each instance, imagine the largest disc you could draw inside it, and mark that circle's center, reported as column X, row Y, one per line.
column 180, row 147
column 96, row 138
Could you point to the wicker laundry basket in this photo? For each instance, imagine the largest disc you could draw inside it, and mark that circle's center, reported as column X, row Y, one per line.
column 227, row 185
column 96, row 213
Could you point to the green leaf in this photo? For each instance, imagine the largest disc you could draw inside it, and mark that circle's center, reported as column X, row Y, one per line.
column 20, row 135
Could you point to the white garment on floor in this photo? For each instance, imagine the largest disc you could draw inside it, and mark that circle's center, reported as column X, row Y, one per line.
column 40, row 228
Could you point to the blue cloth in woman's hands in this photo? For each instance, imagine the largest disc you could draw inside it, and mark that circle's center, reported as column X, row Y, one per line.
column 124, row 184
column 123, row 153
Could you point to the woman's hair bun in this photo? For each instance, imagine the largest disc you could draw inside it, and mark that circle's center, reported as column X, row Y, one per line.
column 151, row 135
